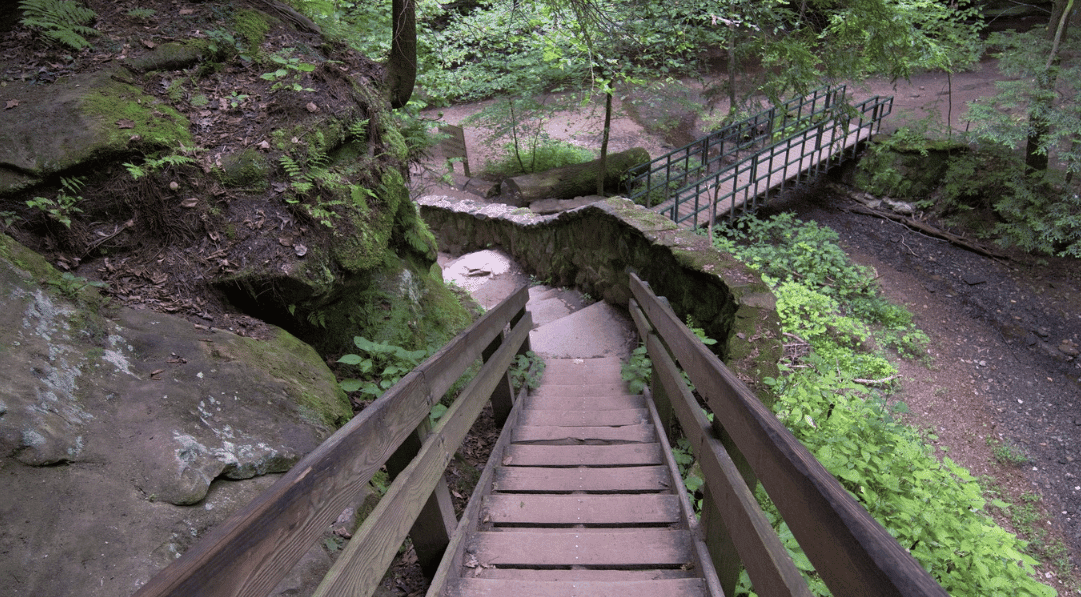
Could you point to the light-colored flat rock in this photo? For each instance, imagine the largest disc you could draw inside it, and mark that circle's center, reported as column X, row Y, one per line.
column 599, row 330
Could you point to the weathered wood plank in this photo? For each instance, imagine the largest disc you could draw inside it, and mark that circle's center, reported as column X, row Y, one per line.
column 618, row 455
column 767, row 561
column 617, row 433
column 849, row 549
column 584, row 547
column 365, row 558
column 452, row 560
column 585, row 418
column 531, row 508
column 629, row 479
column 584, row 574
column 581, row 389
column 621, row 402
column 484, row 587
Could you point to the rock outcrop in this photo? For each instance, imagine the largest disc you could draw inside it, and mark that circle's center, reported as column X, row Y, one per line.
column 125, row 434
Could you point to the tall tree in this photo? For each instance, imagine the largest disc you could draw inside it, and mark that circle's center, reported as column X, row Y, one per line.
column 401, row 73
column 1036, row 153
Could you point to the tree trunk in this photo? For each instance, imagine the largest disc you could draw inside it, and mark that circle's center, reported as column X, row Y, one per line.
column 604, row 140
column 572, row 181
column 401, row 72
column 1036, row 157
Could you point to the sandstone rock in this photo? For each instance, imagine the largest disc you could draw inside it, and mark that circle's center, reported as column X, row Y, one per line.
column 116, row 427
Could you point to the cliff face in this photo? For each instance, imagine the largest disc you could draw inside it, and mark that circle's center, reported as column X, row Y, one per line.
column 209, row 159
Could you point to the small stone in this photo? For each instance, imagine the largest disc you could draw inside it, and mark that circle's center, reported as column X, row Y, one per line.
column 973, row 278
column 1042, row 332
column 174, row 185
column 1068, row 348
column 300, row 249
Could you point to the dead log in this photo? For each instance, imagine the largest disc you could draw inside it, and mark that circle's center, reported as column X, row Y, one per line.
column 568, row 182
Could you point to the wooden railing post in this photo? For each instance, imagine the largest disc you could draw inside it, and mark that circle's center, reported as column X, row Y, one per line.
column 436, row 523
column 503, row 395
column 722, row 549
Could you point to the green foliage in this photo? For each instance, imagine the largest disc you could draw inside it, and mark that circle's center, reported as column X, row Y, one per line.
column 637, row 371
column 379, row 366
column 1005, row 452
column 64, row 21
column 527, row 370
column 143, row 14
column 64, row 206
column 152, row 164
column 542, row 156
column 933, row 507
column 70, row 285
column 290, row 72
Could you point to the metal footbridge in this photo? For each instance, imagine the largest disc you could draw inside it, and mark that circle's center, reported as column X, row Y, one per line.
column 733, row 170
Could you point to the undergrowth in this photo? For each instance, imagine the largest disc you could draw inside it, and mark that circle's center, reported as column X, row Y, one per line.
column 832, row 396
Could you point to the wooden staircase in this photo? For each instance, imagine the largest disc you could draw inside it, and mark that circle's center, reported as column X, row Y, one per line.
column 581, row 497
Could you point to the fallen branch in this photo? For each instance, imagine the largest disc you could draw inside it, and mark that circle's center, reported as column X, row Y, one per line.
column 925, row 228
column 874, row 382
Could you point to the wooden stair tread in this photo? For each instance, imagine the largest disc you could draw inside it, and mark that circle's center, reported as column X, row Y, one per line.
column 625, row 509
column 537, row 479
column 608, row 433
column 675, row 587
column 564, row 403
column 583, row 547
column 583, row 455
column 584, row 418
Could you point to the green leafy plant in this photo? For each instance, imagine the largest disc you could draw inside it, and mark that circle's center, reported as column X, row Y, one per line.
column 637, row 371
column 934, row 507
column 70, row 285
column 1005, row 452
column 143, row 14
column 9, row 217
column 527, row 370
column 66, row 22
column 379, row 366
column 153, row 164
column 64, row 206
column 290, row 72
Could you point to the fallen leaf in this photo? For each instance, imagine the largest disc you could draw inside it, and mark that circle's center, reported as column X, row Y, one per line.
column 11, row 104
column 300, row 249
column 312, row 107
column 149, row 44
column 155, row 373
column 189, row 202
column 264, row 145
column 186, row 11
column 125, row 123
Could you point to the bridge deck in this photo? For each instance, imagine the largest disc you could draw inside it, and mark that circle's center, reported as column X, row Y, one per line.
column 580, row 498
column 772, row 169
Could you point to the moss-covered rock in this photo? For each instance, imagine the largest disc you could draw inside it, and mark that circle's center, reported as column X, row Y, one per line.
column 248, row 169
column 83, row 119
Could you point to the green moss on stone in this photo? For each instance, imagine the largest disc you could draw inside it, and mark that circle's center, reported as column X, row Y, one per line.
column 312, row 385
column 246, row 169
column 252, row 25
column 124, row 112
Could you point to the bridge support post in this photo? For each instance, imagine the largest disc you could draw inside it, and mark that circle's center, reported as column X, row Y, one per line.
column 722, row 550
column 503, row 395
column 436, row 523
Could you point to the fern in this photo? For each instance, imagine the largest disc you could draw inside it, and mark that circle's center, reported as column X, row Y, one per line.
column 60, row 20
column 358, row 129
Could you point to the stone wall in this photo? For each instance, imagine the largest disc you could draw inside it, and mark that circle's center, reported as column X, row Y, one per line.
column 595, row 247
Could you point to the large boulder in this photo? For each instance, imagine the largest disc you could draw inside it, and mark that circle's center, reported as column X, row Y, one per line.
column 125, row 435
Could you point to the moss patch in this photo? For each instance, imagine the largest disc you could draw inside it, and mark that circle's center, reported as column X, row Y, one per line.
column 247, row 169
column 125, row 113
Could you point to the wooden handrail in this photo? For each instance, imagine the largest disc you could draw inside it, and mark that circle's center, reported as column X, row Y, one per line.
column 254, row 549
column 852, row 552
